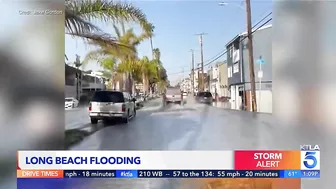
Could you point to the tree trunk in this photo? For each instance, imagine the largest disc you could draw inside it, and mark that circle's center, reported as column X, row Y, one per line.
column 144, row 82
column 130, row 83
column 151, row 43
column 147, row 85
column 124, row 82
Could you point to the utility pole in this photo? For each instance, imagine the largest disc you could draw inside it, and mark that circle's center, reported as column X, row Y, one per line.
column 202, row 63
column 250, row 50
column 192, row 72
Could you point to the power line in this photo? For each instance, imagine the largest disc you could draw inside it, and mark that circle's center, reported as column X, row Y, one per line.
column 219, row 55
column 174, row 73
column 224, row 51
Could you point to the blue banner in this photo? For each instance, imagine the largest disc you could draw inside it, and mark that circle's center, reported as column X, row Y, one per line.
column 171, row 174
column 69, row 174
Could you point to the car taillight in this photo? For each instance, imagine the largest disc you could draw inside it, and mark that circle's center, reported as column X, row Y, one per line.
column 123, row 108
column 90, row 107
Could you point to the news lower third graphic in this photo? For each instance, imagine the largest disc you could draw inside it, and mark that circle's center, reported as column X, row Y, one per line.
column 170, row 164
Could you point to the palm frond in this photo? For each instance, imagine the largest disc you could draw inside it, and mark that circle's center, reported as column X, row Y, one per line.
column 148, row 30
column 102, row 40
column 123, row 29
column 108, row 11
column 75, row 24
column 108, row 63
column 95, row 55
column 117, row 31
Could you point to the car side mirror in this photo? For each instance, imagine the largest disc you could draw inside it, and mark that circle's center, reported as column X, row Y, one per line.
column 133, row 99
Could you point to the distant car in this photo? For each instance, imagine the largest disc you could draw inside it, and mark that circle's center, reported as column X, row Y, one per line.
column 204, row 97
column 112, row 105
column 173, row 95
column 185, row 94
column 71, row 102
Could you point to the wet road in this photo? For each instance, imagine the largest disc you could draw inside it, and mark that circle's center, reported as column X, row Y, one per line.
column 189, row 127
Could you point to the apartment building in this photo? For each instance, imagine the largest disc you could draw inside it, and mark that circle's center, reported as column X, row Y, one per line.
column 238, row 70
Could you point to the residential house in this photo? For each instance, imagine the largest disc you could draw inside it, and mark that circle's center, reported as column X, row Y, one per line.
column 195, row 80
column 92, row 82
column 186, row 85
column 213, row 80
column 73, row 79
column 238, row 70
column 223, row 91
column 205, row 79
column 139, row 88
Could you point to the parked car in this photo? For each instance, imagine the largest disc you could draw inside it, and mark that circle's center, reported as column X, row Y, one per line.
column 173, row 95
column 106, row 105
column 71, row 102
column 204, row 97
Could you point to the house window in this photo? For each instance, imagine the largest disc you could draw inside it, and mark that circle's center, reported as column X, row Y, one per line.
column 229, row 72
column 236, row 67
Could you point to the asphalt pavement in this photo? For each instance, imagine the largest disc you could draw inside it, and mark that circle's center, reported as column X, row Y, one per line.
column 174, row 127
column 189, row 127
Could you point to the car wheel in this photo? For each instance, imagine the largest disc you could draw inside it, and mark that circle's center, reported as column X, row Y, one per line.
column 125, row 120
column 73, row 105
column 94, row 121
column 134, row 114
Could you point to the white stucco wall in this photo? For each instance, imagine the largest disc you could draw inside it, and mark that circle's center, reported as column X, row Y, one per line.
column 264, row 101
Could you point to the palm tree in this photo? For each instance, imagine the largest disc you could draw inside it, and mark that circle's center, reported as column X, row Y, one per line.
column 159, row 68
column 149, row 34
column 126, row 55
column 148, row 71
column 151, row 39
column 80, row 13
column 157, row 54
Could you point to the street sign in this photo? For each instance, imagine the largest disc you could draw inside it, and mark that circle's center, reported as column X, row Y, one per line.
column 260, row 74
column 261, row 61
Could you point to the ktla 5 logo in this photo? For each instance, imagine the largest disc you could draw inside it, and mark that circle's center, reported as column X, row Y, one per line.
column 310, row 160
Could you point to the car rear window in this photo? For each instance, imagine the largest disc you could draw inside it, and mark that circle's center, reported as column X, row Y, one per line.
column 68, row 100
column 108, row 96
column 204, row 94
column 173, row 92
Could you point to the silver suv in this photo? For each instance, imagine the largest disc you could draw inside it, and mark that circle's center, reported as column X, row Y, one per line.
column 112, row 105
column 173, row 95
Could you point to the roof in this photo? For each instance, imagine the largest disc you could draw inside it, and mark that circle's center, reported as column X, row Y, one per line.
column 244, row 33
column 70, row 69
column 232, row 40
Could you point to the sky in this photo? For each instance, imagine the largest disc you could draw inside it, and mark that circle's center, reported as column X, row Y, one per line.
column 176, row 23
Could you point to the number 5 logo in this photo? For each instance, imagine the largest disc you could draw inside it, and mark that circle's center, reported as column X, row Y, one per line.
column 310, row 156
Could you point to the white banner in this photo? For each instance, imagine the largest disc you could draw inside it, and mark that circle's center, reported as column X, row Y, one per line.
column 117, row 160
